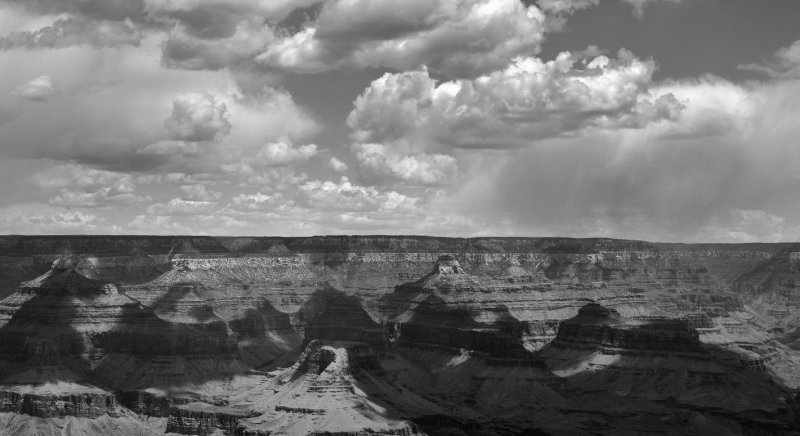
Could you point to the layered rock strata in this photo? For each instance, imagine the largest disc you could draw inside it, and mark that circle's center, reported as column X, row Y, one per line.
column 187, row 324
column 328, row 391
column 602, row 356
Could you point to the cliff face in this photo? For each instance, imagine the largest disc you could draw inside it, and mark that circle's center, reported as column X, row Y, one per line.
column 332, row 388
column 598, row 327
column 449, row 308
column 607, row 359
column 483, row 329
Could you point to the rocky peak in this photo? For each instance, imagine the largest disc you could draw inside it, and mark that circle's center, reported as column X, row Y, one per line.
column 64, row 263
column 63, row 278
column 447, row 264
column 447, row 276
column 596, row 314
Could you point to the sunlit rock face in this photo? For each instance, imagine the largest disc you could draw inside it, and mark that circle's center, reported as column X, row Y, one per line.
column 334, row 387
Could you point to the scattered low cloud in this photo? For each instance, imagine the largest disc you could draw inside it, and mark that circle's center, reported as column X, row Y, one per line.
column 336, row 165
column 284, row 152
column 39, row 89
column 347, row 196
column 37, row 218
column 784, row 63
column 199, row 192
column 381, row 164
column 258, row 201
column 179, row 206
column 81, row 186
column 639, row 6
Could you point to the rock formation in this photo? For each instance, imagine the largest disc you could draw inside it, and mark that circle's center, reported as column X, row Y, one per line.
column 449, row 308
column 328, row 390
column 564, row 336
column 607, row 359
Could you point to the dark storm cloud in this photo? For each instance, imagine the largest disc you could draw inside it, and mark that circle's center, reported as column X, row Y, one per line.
column 204, row 20
column 705, row 183
column 115, row 10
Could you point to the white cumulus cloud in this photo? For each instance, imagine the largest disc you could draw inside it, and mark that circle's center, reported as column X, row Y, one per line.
column 454, row 38
column 198, row 117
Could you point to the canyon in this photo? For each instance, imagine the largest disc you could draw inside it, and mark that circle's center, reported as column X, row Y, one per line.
column 359, row 335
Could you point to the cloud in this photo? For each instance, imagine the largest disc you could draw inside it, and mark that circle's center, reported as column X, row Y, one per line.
column 406, row 125
column 178, row 206
column 80, row 176
column 527, row 101
column 205, row 19
column 167, row 148
column 720, row 171
column 174, row 178
column 378, row 162
column 113, row 103
column 199, row 192
column 453, row 38
column 784, row 63
column 198, row 117
column 748, row 225
column 164, row 113
column 284, row 152
column 160, row 225
column 100, row 198
column 219, row 132
column 81, row 186
column 262, row 123
column 566, row 6
column 211, row 35
column 259, row 201
column 36, row 218
column 640, row 5
column 559, row 9
column 187, row 51
column 272, row 164
column 67, row 32
column 336, row 165
column 38, row 89
column 346, row 196
column 116, row 10
column 274, row 178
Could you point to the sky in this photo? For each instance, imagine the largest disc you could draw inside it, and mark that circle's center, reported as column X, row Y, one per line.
column 660, row 120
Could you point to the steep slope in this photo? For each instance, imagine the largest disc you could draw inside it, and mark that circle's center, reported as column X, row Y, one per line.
column 608, row 360
column 449, row 308
column 333, row 389
column 176, row 328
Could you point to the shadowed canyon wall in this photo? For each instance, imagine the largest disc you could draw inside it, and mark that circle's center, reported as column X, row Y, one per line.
column 188, row 329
